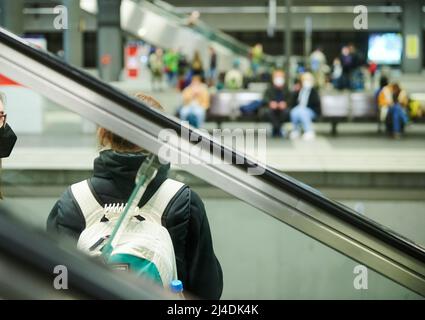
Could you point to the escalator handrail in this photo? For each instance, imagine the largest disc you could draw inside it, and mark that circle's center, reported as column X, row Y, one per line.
column 269, row 176
column 209, row 32
column 86, row 276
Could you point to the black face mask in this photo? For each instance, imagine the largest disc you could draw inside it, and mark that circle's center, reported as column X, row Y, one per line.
column 7, row 141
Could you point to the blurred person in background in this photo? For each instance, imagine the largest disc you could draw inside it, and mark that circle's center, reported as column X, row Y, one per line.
column 7, row 136
column 234, row 78
column 386, row 100
column 193, row 18
column 113, row 180
column 212, row 72
column 318, row 66
column 306, row 107
column 336, row 74
column 383, row 82
column 256, row 56
column 197, row 66
column 220, row 81
column 276, row 100
column 372, row 67
column 397, row 117
column 182, row 71
column 171, row 62
column 357, row 76
column 156, row 66
column 196, row 101
column 296, row 87
column 347, row 63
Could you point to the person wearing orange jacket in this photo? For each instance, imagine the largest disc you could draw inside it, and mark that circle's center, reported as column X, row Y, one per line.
column 196, row 101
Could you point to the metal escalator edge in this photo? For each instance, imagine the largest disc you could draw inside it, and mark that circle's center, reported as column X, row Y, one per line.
column 279, row 196
column 28, row 262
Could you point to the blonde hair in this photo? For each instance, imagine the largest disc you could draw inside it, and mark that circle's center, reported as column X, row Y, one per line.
column 108, row 139
column 307, row 76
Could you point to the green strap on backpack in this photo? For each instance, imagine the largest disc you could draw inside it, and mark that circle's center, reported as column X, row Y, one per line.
column 145, row 175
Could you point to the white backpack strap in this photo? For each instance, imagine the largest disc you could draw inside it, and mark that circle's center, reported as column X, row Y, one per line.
column 87, row 202
column 155, row 207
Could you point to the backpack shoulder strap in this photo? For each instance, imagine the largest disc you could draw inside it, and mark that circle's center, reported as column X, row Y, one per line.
column 155, row 207
column 89, row 206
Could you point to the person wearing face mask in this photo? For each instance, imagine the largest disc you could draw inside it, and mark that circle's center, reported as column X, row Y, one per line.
column 275, row 98
column 306, row 108
column 7, row 136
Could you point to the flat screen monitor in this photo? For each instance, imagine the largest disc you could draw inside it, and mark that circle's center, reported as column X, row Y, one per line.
column 385, row 48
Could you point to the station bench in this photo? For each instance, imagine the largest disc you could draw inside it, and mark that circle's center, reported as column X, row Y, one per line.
column 336, row 108
column 225, row 106
column 348, row 107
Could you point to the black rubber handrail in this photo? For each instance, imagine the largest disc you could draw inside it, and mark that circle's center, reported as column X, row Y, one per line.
column 270, row 176
column 21, row 243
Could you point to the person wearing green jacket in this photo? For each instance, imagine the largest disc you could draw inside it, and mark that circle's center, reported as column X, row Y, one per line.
column 171, row 61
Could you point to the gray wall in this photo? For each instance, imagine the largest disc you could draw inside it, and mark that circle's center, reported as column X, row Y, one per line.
column 265, row 259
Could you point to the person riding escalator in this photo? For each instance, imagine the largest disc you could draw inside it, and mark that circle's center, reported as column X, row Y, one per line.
column 184, row 215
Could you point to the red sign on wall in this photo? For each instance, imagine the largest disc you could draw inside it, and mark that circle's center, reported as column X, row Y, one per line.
column 132, row 60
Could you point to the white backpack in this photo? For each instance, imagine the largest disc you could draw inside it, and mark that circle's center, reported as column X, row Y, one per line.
column 145, row 246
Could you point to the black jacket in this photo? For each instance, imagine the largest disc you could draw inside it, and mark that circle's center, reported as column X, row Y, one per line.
column 185, row 218
column 313, row 100
column 273, row 93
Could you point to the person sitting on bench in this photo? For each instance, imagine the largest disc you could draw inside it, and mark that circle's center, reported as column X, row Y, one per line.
column 196, row 101
column 306, row 109
column 275, row 98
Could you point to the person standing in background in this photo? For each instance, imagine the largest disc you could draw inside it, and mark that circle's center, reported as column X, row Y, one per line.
column 7, row 136
column 336, row 73
column 182, row 70
column 197, row 65
column 317, row 66
column 372, row 68
column 212, row 72
column 171, row 61
column 156, row 66
column 347, row 63
column 383, row 82
column 357, row 76
column 256, row 58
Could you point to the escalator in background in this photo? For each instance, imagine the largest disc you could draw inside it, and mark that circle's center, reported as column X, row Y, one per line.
column 277, row 195
column 157, row 24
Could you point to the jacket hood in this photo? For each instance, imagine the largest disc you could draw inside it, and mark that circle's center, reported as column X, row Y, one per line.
column 122, row 169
